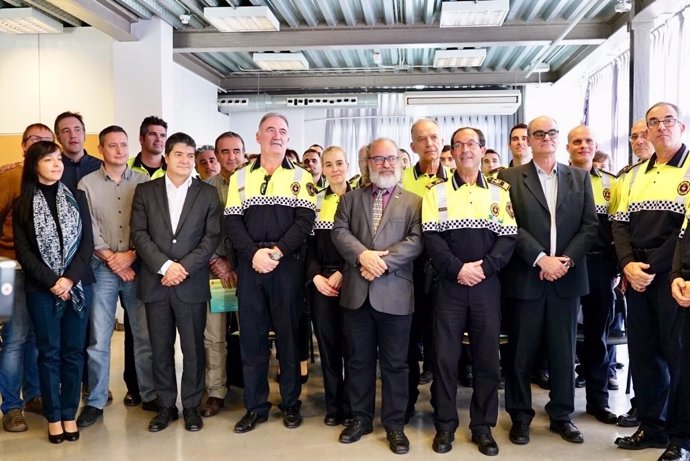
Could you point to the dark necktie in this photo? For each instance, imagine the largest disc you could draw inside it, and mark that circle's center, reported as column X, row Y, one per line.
column 377, row 209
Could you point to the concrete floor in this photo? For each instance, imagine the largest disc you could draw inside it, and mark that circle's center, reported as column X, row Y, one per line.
column 122, row 432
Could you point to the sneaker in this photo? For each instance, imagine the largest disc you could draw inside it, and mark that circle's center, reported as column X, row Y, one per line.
column 88, row 416
column 13, row 421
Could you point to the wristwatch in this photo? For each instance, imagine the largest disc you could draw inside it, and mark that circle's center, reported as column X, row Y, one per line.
column 569, row 263
column 276, row 255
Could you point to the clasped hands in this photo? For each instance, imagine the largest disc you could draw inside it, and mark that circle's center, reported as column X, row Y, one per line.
column 328, row 286
column 175, row 275
column 680, row 290
column 636, row 275
column 62, row 288
column 552, row 268
column 262, row 261
column 371, row 264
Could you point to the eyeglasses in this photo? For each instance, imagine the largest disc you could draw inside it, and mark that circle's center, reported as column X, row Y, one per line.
column 264, row 185
column 667, row 121
column 379, row 160
column 34, row 139
column 471, row 144
column 539, row 134
column 635, row 136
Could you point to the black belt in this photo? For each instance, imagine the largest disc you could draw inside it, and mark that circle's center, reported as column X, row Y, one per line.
column 266, row 244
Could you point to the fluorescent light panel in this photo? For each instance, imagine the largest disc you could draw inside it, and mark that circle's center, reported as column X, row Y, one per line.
column 27, row 21
column 281, row 61
column 459, row 58
column 242, row 19
column 483, row 13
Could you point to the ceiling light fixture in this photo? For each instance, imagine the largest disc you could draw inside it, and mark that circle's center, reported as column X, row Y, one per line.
column 475, row 13
column 281, row 61
column 27, row 21
column 459, row 58
column 242, row 19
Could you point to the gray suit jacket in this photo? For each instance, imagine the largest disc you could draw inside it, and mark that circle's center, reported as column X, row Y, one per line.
column 192, row 244
column 399, row 232
column 576, row 225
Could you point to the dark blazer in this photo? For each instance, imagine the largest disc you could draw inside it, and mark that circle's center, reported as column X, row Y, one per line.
column 192, row 244
column 399, row 232
column 40, row 277
column 576, row 224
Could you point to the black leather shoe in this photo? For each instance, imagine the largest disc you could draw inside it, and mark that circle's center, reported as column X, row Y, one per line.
column 567, row 430
column 519, row 433
column 542, row 379
column 88, row 416
column 333, row 419
column 443, row 441
column 131, row 400
column 398, row 442
column 150, row 406
column 163, row 418
column 580, row 382
column 354, row 431
column 603, row 414
column 466, row 378
column 675, row 453
column 612, row 384
column 426, row 377
column 292, row 418
column 249, row 422
column 192, row 419
column 71, row 436
column 629, row 419
column 640, row 440
column 487, row 444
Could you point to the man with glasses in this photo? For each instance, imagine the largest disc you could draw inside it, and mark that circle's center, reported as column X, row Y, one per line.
column 312, row 162
column 377, row 231
column 648, row 219
column 269, row 213
column 18, row 367
column 556, row 218
column 470, row 234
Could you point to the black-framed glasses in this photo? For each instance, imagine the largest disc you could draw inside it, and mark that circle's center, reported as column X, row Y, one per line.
column 539, row 134
column 471, row 144
column 379, row 160
column 264, row 185
column 667, row 121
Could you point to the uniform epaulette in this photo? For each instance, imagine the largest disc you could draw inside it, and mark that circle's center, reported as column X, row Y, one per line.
column 244, row 165
column 627, row 168
column 608, row 173
column 301, row 166
column 496, row 170
column 499, row 182
column 355, row 178
column 436, row 181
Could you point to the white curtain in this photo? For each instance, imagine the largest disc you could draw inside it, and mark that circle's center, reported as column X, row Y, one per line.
column 354, row 128
column 670, row 62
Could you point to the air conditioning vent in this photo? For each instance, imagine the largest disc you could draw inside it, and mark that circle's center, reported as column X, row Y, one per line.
column 487, row 102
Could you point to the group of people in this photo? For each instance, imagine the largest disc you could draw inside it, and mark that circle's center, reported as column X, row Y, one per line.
column 394, row 258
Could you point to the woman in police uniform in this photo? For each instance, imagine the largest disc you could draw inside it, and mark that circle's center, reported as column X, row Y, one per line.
column 324, row 266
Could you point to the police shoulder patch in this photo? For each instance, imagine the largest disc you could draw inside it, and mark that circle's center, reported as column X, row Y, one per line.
column 498, row 182
column 683, row 188
column 295, row 188
column 436, row 181
column 311, row 189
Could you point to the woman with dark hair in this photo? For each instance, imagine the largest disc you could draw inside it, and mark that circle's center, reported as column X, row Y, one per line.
column 54, row 243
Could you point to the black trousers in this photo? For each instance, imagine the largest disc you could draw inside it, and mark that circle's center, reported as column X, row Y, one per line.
column 478, row 310
column 678, row 422
column 129, row 373
column 367, row 332
column 421, row 329
column 327, row 316
column 654, row 347
column 554, row 318
column 597, row 314
column 189, row 319
column 270, row 300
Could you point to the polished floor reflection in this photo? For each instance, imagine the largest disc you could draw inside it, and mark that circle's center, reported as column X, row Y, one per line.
column 122, row 432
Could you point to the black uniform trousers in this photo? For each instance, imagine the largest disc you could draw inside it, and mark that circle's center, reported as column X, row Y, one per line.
column 476, row 309
column 129, row 374
column 420, row 331
column 597, row 314
column 555, row 318
column 327, row 316
column 163, row 318
column 678, row 422
column 273, row 300
column 368, row 334
column 654, row 348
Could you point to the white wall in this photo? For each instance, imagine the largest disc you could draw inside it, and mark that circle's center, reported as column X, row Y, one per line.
column 44, row 75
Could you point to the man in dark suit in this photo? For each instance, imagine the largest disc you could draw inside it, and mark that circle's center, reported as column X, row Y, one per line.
column 378, row 232
column 175, row 229
column 556, row 218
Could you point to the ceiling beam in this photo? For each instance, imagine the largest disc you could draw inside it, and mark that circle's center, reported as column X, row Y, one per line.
column 99, row 16
column 198, row 67
column 396, row 37
column 268, row 82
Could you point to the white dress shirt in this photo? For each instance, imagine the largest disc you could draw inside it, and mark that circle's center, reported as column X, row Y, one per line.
column 549, row 185
column 176, row 197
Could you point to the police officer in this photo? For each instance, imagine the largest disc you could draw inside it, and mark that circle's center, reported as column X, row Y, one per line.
column 269, row 214
column 647, row 221
column 597, row 306
column 469, row 233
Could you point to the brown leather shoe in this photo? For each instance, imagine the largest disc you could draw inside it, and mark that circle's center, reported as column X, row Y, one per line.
column 34, row 405
column 13, row 421
column 212, row 406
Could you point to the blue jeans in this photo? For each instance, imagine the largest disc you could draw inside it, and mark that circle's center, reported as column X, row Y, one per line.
column 18, row 368
column 60, row 343
column 102, row 322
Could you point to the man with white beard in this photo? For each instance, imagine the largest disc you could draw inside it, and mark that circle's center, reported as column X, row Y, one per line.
column 378, row 232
